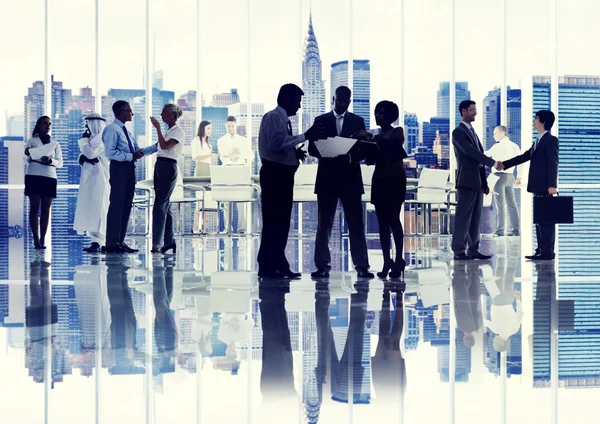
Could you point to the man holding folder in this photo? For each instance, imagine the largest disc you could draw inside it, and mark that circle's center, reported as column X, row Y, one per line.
column 340, row 178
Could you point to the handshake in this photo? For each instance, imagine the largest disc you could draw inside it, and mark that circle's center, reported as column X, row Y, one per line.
column 499, row 166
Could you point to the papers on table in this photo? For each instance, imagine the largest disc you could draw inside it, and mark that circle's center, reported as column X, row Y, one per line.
column 334, row 146
column 37, row 153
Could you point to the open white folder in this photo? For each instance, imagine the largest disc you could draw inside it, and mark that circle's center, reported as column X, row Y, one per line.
column 37, row 153
column 334, row 146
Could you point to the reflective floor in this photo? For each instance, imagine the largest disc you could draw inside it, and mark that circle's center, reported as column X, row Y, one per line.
column 195, row 338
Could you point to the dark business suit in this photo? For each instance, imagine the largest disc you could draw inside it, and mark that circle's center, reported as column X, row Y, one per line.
column 543, row 174
column 341, row 181
column 470, row 184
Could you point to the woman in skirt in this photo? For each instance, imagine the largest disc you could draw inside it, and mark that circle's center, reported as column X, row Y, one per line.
column 388, row 188
column 43, row 156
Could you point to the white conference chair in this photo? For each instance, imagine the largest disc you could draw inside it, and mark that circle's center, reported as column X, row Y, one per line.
column 431, row 191
column 233, row 184
column 304, row 187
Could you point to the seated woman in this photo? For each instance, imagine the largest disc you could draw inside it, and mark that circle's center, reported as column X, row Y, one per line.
column 388, row 187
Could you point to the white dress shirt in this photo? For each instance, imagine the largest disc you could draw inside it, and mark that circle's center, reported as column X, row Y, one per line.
column 40, row 169
column 275, row 144
column 339, row 121
column 228, row 142
column 505, row 321
column 173, row 133
column 503, row 151
column 201, row 149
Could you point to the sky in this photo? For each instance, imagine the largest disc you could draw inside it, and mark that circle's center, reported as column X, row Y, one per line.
column 277, row 29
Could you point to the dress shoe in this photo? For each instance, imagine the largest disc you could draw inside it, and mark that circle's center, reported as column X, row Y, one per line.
column 364, row 273
column 94, row 248
column 387, row 265
column 541, row 257
column 270, row 274
column 291, row 275
column 320, row 273
column 127, row 248
column 398, row 269
column 115, row 249
column 165, row 249
column 462, row 257
column 480, row 256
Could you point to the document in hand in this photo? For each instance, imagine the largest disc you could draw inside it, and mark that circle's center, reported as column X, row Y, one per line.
column 37, row 153
column 334, row 146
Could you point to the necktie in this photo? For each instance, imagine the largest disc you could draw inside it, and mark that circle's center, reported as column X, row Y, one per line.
column 131, row 149
column 475, row 138
column 290, row 128
column 535, row 144
column 339, row 124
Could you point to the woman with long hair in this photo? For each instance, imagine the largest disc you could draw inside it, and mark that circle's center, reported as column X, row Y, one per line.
column 43, row 156
column 388, row 187
column 202, row 154
column 165, row 177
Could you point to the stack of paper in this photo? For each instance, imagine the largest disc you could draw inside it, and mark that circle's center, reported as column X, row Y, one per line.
column 37, row 153
column 334, row 146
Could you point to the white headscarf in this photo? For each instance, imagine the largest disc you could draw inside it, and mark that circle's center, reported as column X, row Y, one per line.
column 96, row 124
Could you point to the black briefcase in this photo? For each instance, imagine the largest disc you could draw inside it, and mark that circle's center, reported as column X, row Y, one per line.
column 553, row 210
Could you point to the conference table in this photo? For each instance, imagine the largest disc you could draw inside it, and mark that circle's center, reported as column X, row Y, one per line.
column 203, row 184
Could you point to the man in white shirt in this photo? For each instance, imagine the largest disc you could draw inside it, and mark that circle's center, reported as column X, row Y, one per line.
column 504, row 190
column 235, row 149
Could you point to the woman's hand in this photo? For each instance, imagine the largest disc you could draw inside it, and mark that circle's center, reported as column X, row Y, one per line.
column 27, row 151
column 364, row 133
column 155, row 122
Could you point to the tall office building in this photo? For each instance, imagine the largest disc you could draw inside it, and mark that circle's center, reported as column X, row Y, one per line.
column 225, row 99
column 361, row 87
column 578, row 132
column 34, row 102
column 15, row 125
column 313, row 102
column 411, row 131
column 157, row 79
column 435, row 136
column 443, row 98
column 84, row 101
column 66, row 243
column 491, row 116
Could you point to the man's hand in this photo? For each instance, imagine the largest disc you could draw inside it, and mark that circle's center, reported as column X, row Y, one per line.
column 155, row 122
column 46, row 159
column 301, row 154
column 552, row 191
column 518, row 182
column 365, row 135
column 486, row 190
column 138, row 154
column 499, row 166
column 27, row 151
column 87, row 133
column 234, row 153
column 316, row 132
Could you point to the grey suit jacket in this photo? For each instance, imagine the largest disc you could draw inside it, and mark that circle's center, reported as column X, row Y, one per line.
column 469, row 155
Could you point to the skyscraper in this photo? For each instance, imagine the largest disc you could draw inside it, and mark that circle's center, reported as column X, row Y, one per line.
column 225, row 99
column 491, row 116
column 443, row 98
column 313, row 102
column 361, row 87
column 578, row 132
column 411, row 131
column 15, row 125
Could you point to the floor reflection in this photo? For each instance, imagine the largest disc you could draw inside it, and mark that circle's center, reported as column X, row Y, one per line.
column 326, row 351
